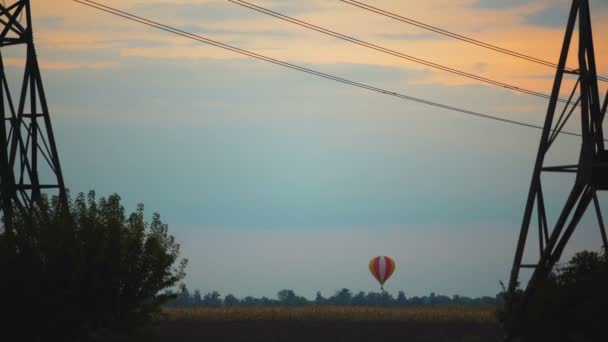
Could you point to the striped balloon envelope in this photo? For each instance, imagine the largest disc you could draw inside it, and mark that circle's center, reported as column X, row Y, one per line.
column 382, row 267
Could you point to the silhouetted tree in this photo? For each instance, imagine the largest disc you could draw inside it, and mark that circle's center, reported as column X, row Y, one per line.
column 264, row 301
column 416, row 301
column 212, row 299
column 401, row 299
column 197, row 300
column 319, row 299
column 342, row 297
column 67, row 271
column 231, row 300
column 570, row 305
column 359, row 299
column 249, row 301
column 289, row 298
column 182, row 298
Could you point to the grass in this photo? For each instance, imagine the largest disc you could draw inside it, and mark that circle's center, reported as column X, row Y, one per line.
column 418, row 314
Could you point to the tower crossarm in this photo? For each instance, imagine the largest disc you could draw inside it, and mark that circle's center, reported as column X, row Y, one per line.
column 13, row 32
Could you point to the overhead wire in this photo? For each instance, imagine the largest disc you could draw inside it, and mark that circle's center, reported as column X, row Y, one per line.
column 388, row 51
column 460, row 37
column 185, row 34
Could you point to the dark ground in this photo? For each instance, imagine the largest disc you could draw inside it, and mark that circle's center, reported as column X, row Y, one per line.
column 309, row 331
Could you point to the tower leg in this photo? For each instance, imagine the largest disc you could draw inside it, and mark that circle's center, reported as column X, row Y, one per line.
column 28, row 152
column 591, row 169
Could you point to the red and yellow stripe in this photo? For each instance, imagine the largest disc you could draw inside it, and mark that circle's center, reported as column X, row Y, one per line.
column 382, row 267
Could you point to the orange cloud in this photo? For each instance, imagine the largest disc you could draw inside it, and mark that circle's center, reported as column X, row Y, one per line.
column 57, row 65
column 85, row 29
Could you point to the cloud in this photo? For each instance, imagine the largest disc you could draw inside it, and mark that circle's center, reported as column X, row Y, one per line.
column 214, row 11
column 201, row 29
column 412, row 36
column 272, row 147
column 500, row 4
column 206, row 11
column 60, row 65
column 132, row 43
column 553, row 17
column 49, row 22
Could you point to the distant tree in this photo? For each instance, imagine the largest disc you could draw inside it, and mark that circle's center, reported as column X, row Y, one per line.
column 289, row 298
column 183, row 297
column 231, row 300
column 439, row 300
column 430, row 300
column 197, row 300
column 319, row 299
column 401, row 299
column 373, row 299
column 342, row 297
column 265, row 301
column 286, row 297
column 212, row 299
column 486, row 300
column 386, row 299
column 359, row 299
column 249, row 301
column 416, row 301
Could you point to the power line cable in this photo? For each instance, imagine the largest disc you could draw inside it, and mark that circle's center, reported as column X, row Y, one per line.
column 202, row 39
column 451, row 34
column 388, row 51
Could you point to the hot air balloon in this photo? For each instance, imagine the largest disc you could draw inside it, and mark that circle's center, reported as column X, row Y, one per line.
column 382, row 267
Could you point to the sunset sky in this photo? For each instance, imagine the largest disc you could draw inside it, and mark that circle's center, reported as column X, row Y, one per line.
column 271, row 178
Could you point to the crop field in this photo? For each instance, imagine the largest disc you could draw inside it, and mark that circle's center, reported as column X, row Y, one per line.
column 341, row 313
column 330, row 323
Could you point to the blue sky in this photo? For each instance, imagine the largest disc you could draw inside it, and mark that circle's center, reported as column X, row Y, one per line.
column 275, row 179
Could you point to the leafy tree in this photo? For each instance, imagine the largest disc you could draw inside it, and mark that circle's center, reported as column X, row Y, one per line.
column 373, row 299
column 231, row 300
column 416, row 301
column 264, row 301
column 401, row 299
column 386, row 299
column 183, row 298
column 319, row 299
column 69, row 271
column 197, row 300
column 570, row 305
column 289, row 298
column 250, row 301
column 359, row 299
column 212, row 299
column 342, row 297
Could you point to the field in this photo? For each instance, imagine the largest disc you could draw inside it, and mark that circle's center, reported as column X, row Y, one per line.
column 337, row 313
column 436, row 324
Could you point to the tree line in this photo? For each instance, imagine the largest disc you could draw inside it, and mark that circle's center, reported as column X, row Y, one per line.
column 343, row 297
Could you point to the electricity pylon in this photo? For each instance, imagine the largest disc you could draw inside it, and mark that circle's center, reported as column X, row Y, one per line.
column 29, row 162
column 592, row 167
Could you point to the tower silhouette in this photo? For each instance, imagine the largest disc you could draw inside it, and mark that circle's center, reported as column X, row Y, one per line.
column 591, row 169
column 29, row 162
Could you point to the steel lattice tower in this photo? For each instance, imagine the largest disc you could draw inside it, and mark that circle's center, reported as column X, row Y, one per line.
column 592, row 167
column 29, row 162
